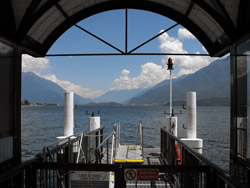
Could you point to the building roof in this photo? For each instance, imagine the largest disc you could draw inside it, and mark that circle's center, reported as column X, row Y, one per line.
column 37, row 24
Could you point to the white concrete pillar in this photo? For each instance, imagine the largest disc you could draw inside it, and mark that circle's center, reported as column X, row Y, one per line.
column 68, row 113
column 68, row 117
column 191, row 118
column 196, row 144
column 191, row 115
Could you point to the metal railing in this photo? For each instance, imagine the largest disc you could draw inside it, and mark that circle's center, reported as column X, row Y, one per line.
column 117, row 138
column 52, row 170
column 212, row 177
column 75, row 148
column 139, row 139
column 99, row 153
column 78, row 148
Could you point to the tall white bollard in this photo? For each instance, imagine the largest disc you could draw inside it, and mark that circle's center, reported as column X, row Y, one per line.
column 68, row 113
column 68, row 117
column 191, row 119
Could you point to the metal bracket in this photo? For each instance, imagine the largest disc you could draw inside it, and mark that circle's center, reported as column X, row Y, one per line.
column 93, row 113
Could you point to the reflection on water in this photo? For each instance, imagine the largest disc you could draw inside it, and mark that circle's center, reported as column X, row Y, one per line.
column 42, row 124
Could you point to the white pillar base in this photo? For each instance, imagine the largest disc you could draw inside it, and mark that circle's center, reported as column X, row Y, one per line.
column 75, row 145
column 196, row 144
column 94, row 123
column 171, row 125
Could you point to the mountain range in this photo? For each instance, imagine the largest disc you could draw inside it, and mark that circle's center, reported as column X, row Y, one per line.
column 210, row 81
column 37, row 89
column 119, row 96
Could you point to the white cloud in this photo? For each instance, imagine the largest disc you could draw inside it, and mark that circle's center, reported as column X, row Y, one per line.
column 150, row 75
column 71, row 87
column 186, row 64
column 31, row 64
column 36, row 65
column 184, row 33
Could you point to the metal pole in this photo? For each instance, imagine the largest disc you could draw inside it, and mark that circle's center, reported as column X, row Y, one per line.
column 126, row 30
column 170, row 108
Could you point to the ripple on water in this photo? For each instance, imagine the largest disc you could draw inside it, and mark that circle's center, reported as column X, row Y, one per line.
column 41, row 125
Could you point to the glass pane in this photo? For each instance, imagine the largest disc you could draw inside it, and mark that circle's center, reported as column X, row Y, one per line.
column 243, row 97
column 6, row 101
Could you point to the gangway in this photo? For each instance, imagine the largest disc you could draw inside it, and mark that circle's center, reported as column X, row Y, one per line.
column 129, row 153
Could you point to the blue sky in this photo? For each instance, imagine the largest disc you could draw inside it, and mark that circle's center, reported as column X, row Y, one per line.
column 93, row 76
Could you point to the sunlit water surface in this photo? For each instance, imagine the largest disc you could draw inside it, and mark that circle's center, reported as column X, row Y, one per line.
column 42, row 124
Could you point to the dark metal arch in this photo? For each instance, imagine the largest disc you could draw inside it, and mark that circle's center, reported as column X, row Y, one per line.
column 7, row 19
column 31, row 16
column 112, row 5
column 26, row 18
column 243, row 21
column 225, row 24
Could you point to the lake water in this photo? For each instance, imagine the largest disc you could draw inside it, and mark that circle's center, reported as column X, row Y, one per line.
column 42, row 124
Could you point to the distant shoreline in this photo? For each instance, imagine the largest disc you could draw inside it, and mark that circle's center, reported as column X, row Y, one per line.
column 38, row 104
column 213, row 101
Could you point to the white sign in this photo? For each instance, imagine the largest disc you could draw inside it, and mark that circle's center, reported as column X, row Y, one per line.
column 89, row 176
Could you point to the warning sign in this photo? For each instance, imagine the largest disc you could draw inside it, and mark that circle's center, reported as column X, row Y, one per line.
column 130, row 174
column 147, row 174
column 141, row 174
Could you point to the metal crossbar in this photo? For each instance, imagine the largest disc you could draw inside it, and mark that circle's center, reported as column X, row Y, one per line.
column 129, row 54
column 153, row 38
column 126, row 41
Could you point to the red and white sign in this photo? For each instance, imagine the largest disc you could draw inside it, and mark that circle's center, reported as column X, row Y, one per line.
column 147, row 174
column 141, row 174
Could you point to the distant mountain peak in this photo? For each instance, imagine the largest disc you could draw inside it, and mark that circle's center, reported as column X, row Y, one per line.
column 210, row 81
column 37, row 89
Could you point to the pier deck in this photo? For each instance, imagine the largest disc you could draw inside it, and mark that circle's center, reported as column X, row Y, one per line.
column 129, row 154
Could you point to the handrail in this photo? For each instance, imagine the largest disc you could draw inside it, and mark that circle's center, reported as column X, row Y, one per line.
column 98, row 148
column 221, row 173
column 105, row 140
column 65, row 142
column 112, row 149
column 140, row 126
column 37, row 169
column 195, row 154
column 74, row 135
column 64, row 139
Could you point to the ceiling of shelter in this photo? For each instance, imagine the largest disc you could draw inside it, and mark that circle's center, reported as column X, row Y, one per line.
column 37, row 24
